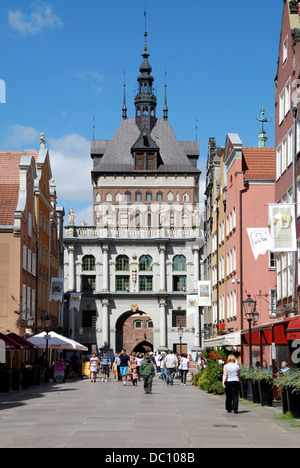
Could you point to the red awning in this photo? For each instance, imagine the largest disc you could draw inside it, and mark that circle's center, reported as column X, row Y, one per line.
column 293, row 330
column 263, row 334
column 9, row 342
column 24, row 344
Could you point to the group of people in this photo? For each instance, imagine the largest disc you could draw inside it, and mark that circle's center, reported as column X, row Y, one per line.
column 139, row 366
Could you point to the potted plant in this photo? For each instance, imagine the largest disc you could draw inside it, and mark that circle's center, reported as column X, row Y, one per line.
column 264, row 379
column 289, row 384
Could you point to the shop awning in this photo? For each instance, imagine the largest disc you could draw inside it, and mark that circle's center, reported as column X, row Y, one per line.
column 9, row 342
column 293, row 330
column 231, row 339
column 22, row 342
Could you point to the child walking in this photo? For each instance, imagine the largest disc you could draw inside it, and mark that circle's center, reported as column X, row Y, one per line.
column 134, row 376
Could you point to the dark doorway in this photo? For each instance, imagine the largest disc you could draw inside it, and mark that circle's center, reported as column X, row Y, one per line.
column 143, row 347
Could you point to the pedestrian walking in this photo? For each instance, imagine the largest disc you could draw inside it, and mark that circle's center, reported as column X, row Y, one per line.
column 171, row 366
column 134, row 376
column 105, row 367
column 231, row 383
column 147, row 372
column 184, row 363
column 123, row 362
column 94, row 362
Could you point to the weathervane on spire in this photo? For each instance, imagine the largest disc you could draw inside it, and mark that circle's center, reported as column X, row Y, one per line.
column 262, row 138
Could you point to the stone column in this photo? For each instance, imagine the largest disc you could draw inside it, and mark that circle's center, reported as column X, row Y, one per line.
column 71, row 268
column 163, row 323
column 197, row 328
column 196, row 267
column 105, row 323
column 162, row 267
column 105, row 267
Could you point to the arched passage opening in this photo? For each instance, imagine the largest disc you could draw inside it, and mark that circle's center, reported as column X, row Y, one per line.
column 134, row 332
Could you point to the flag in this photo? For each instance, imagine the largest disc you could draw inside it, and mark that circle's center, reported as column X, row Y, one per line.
column 204, row 293
column 260, row 240
column 283, row 227
column 75, row 299
column 57, row 289
column 192, row 304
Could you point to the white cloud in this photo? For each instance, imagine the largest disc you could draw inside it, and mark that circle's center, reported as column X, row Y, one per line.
column 94, row 77
column 18, row 135
column 71, row 168
column 40, row 17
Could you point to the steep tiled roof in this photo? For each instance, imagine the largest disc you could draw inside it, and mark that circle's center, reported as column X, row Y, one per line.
column 10, row 183
column 259, row 163
column 117, row 156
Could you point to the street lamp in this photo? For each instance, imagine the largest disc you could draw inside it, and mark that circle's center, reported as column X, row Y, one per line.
column 252, row 315
column 47, row 326
column 180, row 335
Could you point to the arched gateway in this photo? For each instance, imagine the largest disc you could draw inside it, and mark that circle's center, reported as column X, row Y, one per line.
column 134, row 332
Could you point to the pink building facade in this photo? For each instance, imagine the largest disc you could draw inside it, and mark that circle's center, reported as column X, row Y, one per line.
column 250, row 174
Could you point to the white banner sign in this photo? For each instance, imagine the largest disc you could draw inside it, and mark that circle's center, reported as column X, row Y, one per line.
column 283, row 227
column 260, row 240
column 57, row 289
column 192, row 304
column 204, row 293
column 75, row 299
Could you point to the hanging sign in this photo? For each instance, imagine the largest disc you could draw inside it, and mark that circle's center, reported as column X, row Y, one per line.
column 283, row 227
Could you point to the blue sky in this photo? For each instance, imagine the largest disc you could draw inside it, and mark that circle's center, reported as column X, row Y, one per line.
column 63, row 64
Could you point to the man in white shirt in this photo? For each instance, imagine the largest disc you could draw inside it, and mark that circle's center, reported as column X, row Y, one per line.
column 171, row 366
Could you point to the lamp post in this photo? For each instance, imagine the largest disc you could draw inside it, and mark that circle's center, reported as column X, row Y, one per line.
column 252, row 315
column 180, row 335
column 47, row 326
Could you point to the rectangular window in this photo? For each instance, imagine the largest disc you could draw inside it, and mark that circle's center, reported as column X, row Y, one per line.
column 283, row 156
column 278, row 162
column 287, row 97
column 89, row 318
column 179, row 283
column 88, row 283
column 122, row 283
column 178, row 318
column 285, row 50
column 281, row 107
column 146, row 283
column 290, row 148
column 278, row 274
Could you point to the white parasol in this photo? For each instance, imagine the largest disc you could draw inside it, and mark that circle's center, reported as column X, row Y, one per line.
column 55, row 341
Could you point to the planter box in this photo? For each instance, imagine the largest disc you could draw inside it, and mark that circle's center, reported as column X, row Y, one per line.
column 265, row 392
column 293, row 403
column 284, row 401
column 255, row 392
column 15, row 379
column 244, row 388
column 5, row 377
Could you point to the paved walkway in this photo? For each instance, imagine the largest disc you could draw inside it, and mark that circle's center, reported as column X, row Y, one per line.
column 82, row 414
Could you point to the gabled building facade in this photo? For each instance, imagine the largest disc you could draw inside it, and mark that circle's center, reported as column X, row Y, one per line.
column 141, row 257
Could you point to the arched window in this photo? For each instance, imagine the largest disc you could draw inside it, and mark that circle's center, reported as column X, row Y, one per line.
column 149, row 219
column 137, row 219
column 179, row 263
column 149, row 196
column 172, row 219
column 88, row 263
column 122, row 263
column 159, row 196
column 145, row 263
column 138, row 196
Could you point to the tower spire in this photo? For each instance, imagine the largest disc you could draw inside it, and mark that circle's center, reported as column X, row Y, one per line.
column 124, row 108
column 165, row 106
column 145, row 101
column 262, row 138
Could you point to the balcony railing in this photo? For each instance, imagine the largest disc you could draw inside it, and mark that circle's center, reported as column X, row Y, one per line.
column 85, row 232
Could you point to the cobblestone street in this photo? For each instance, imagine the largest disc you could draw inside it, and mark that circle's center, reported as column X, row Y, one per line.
column 80, row 414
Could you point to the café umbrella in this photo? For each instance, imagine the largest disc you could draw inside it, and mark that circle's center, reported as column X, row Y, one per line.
column 56, row 341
